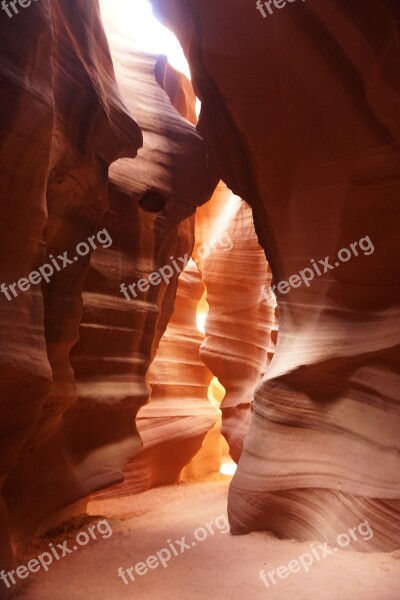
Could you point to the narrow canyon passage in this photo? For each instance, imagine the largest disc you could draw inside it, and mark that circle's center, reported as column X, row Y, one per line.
column 199, row 299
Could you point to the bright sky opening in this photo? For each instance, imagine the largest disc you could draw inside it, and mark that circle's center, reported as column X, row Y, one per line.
column 135, row 19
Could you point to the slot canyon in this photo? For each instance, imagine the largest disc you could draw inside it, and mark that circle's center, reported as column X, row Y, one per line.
column 200, row 254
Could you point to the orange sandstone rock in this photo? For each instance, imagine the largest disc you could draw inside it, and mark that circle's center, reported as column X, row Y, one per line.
column 300, row 112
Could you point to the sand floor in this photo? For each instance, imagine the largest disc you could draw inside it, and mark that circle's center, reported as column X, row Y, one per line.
column 221, row 566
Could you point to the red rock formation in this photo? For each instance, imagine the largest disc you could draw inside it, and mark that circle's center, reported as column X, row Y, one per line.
column 174, row 424
column 64, row 122
column 301, row 117
column 125, row 333
column 27, row 112
column 175, row 421
column 240, row 318
column 45, row 130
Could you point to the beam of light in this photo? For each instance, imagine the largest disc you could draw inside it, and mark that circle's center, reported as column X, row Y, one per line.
column 135, row 19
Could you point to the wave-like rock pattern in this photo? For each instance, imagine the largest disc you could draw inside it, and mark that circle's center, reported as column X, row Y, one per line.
column 174, row 424
column 119, row 337
column 302, row 119
column 64, row 122
column 175, row 421
column 240, row 318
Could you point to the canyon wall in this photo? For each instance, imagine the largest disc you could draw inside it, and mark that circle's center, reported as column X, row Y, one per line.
column 300, row 113
column 68, row 429
column 178, row 416
column 98, row 143
column 49, row 140
column 240, row 319
column 27, row 101
column 151, row 198
column 89, row 131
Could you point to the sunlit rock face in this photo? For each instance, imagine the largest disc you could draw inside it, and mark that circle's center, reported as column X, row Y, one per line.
column 56, row 133
column 302, row 118
column 69, row 431
column 151, row 220
column 175, row 421
column 174, row 424
column 240, row 318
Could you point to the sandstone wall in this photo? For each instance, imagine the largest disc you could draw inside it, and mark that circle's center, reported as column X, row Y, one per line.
column 240, row 318
column 66, row 432
column 300, row 112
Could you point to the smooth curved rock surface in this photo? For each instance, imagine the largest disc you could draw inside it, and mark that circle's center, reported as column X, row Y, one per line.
column 178, row 416
column 240, row 319
column 65, row 433
column 119, row 338
column 301, row 117
column 49, row 139
column 27, row 102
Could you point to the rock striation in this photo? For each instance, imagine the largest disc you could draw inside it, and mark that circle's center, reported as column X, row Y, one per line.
column 175, row 421
column 301, row 118
column 240, row 319
column 151, row 219
column 74, row 352
column 52, row 138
